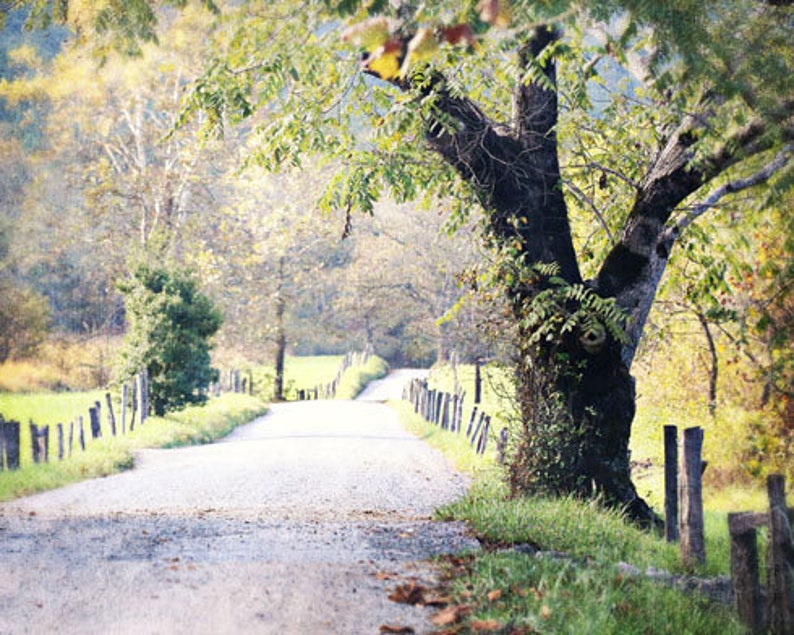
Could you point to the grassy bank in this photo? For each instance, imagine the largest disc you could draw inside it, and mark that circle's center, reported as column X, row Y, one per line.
column 109, row 454
column 356, row 378
column 501, row 589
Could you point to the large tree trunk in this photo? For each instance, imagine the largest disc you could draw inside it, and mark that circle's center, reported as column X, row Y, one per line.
column 575, row 393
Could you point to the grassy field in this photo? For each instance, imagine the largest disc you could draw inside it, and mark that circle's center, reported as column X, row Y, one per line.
column 500, row 589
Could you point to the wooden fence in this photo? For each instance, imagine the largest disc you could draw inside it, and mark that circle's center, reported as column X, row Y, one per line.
column 328, row 390
column 233, row 380
column 446, row 411
column 775, row 614
column 134, row 405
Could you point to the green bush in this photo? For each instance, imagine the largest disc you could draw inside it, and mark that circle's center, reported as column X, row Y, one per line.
column 170, row 324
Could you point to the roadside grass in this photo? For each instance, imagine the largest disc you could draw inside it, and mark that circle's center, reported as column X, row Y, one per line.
column 583, row 591
column 108, row 455
column 356, row 378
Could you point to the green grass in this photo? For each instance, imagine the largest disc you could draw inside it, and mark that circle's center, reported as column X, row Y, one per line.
column 581, row 593
column 109, row 454
column 356, row 378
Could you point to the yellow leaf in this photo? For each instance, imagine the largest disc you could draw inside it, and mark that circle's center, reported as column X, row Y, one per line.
column 386, row 61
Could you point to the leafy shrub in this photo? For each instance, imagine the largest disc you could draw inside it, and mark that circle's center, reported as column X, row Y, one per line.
column 170, row 324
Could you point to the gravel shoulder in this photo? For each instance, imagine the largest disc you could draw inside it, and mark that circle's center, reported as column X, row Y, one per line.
column 299, row 522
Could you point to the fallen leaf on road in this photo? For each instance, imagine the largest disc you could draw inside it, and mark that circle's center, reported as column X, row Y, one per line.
column 399, row 630
column 410, row 593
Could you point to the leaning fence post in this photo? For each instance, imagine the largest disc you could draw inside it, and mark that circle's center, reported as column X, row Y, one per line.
column 671, row 483
column 483, row 441
column 744, row 572
column 693, row 546
column 780, row 559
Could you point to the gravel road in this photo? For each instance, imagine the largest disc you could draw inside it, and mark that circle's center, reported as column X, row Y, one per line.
column 300, row 522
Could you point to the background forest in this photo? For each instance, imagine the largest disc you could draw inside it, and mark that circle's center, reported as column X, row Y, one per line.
column 99, row 170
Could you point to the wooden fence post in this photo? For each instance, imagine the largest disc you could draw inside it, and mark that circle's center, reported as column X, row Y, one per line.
column 60, row 442
column 482, row 443
column 93, row 416
column 477, row 383
column 671, row 483
column 693, row 546
column 81, row 432
column 143, row 395
column 445, row 411
column 12, row 433
column 39, row 441
column 744, row 572
column 124, row 397
column 780, row 559
column 71, row 437
column 9, row 444
column 470, row 427
column 111, row 415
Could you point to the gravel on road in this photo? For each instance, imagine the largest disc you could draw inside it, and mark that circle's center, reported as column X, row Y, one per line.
column 299, row 522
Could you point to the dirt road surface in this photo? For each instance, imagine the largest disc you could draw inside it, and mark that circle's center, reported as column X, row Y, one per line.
column 300, row 522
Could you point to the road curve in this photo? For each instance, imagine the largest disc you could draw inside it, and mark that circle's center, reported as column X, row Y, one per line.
column 298, row 523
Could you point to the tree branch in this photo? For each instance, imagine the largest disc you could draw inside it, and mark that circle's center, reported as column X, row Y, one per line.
column 638, row 298
column 732, row 187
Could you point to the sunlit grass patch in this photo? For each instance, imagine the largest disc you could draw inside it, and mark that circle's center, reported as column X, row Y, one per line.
column 558, row 595
column 356, row 378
